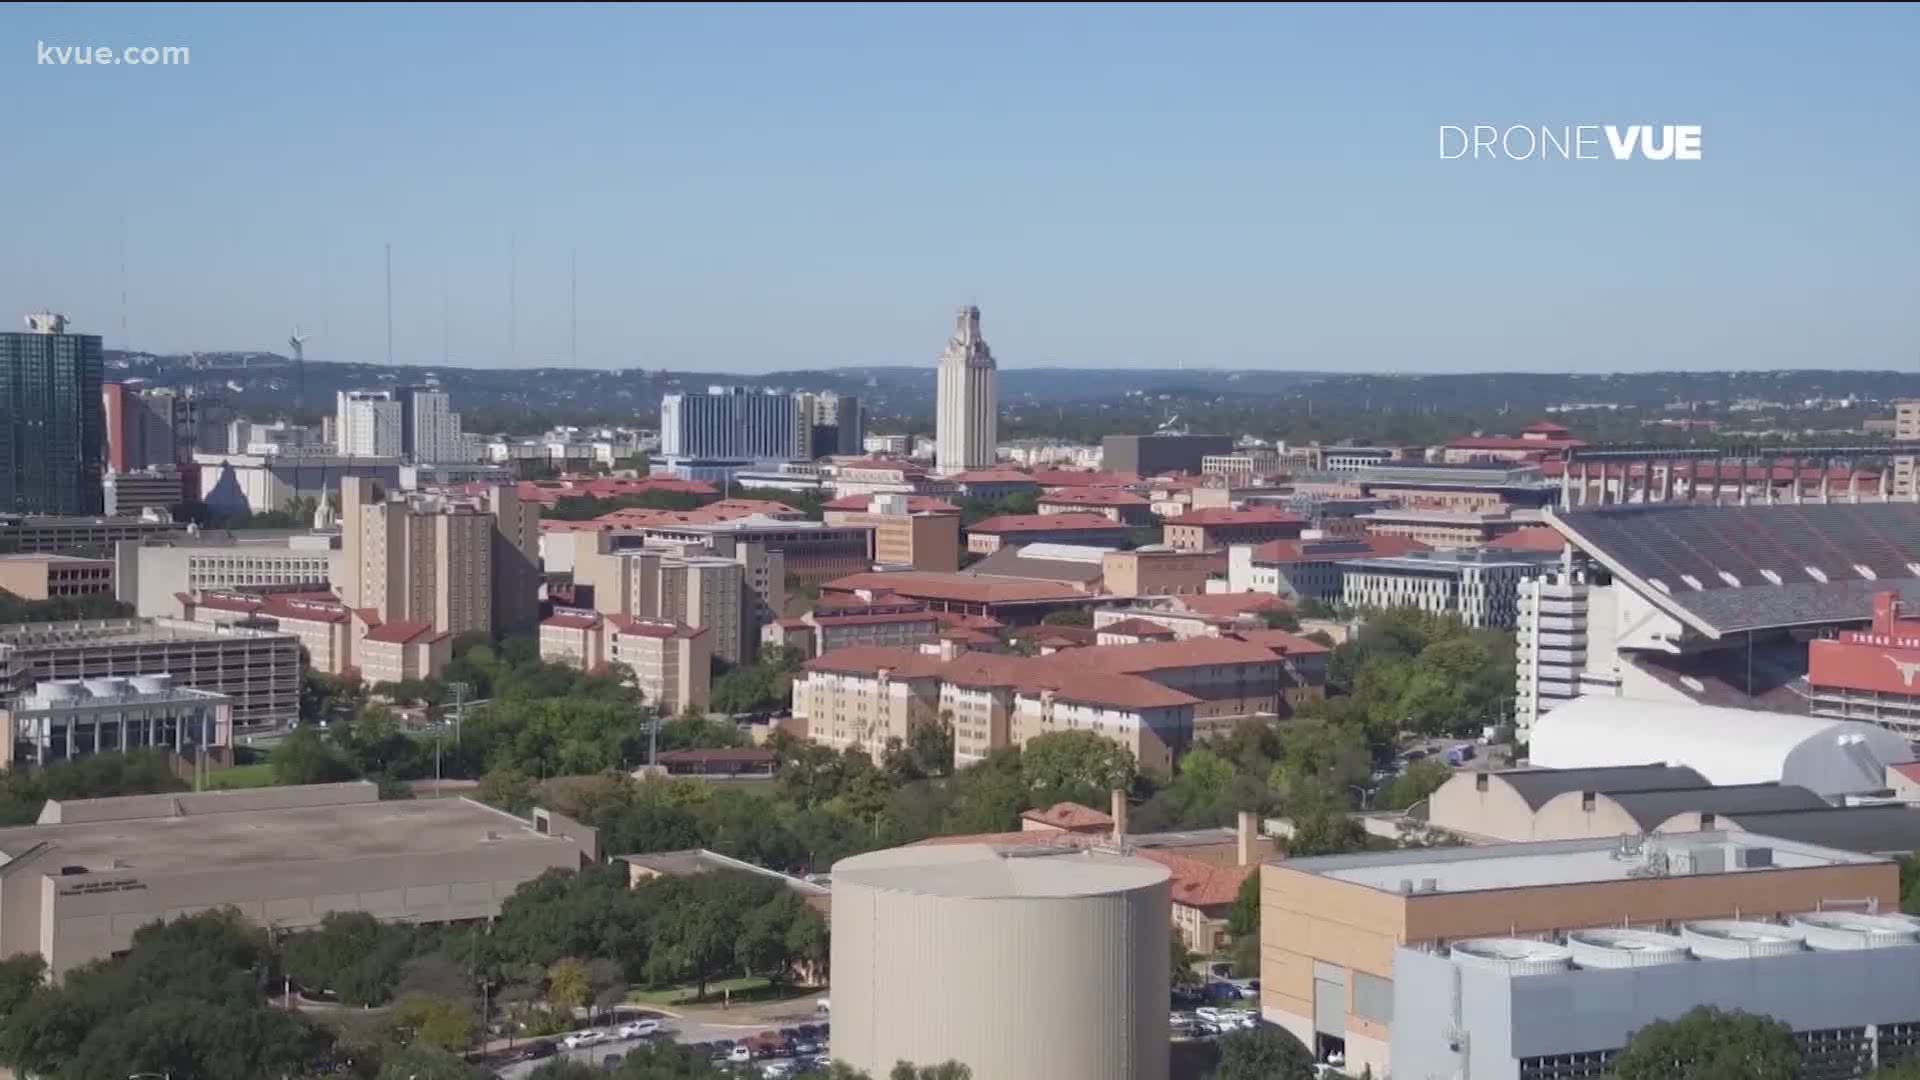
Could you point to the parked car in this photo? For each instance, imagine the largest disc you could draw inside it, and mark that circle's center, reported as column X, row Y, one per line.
column 583, row 1038
column 740, row 1055
column 640, row 1029
column 536, row 1050
column 808, row 1031
column 1460, row 755
column 774, row 1070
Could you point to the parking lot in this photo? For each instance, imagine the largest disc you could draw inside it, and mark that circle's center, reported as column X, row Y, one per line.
column 794, row 1050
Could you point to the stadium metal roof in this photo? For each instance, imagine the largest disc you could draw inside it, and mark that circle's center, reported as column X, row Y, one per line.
column 1730, row 569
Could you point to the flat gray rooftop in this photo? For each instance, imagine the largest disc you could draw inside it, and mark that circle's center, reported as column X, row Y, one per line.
column 1556, row 862
column 100, row 632
column 265, row 837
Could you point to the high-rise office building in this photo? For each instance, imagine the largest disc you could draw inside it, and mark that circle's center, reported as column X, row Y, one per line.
column 967, row 423
column 732, row 422
column 51, row 428
column 832, row 423
column 1906, row 470
column 458, row 565
column 146, row 428
column 429, row 428
column 367, row 423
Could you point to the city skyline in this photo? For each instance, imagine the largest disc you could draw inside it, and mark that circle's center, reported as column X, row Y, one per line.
column 745, row 190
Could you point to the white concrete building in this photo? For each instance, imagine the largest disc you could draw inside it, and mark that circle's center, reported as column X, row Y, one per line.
column 367, row 423
column 1480, row 588
column 968, row 416
column 1550, row 648
column 66, row 719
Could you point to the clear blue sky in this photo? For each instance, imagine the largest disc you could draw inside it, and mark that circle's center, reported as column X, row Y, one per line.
column 761, row 188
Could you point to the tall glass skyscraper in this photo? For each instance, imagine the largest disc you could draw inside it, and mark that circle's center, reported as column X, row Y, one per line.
column 52, row 436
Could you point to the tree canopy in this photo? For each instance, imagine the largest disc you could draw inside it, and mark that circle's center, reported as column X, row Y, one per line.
column 1263, row 1053
column 1708, row 1044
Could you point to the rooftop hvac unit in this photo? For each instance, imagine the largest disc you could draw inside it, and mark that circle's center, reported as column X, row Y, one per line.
column 1514, row 956
column 1738, row 939
column 1621, row 948
column 1833, row 931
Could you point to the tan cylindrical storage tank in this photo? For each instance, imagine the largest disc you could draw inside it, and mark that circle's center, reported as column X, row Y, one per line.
column 1022, row 963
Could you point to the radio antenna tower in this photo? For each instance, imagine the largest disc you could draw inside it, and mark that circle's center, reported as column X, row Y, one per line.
column 297, row 342
column 389, row 305
column 513, row 298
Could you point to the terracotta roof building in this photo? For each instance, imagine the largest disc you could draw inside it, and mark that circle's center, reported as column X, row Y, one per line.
column 1115, row 504
column 986, row 537
column 1011, row 601
column 1203, row 530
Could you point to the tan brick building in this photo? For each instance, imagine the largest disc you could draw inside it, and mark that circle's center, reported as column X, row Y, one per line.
column 42, row 577
column 1330, row 925
column 914, row 531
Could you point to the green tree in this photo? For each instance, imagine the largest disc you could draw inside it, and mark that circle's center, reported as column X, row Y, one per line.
column 568, row 985
column 1906, row 1070
column 1244, row 918
column 1181, row 973
column 1708, row 1044
column 1264, row 1053
column 306, row 757
column 1281, row 620
column 1078, row 765
column 351, row 955
column 946, row 1070
column 507, row 788
column 425, row 1063
column 1321, row 825
column 185, row 999
column 1421, row 779
column 20, row 975
column 1910, row 885
column 436, row 1021
column 1069, row 617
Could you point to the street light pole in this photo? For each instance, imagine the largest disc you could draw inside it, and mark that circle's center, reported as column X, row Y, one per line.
column 460, row 692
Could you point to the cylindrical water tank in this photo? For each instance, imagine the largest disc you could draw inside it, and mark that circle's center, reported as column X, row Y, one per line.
column 1831, row 931
column 1515, row 956
column 1618, row 947
column 1022, row 963
column 1738, row 939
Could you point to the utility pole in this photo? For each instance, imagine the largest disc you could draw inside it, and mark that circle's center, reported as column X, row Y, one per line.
column 460, row 692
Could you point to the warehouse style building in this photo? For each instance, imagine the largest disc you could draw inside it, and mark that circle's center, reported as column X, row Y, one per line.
column 75, row 886
column 72, row 718
column 1150, row 454
column 1338, row 925
column 1022, row 963
column 258, row 669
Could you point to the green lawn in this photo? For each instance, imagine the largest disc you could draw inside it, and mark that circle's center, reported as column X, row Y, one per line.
column 242, row 776
column 743, row 990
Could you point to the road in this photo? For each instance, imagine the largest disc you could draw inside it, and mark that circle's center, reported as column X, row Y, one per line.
column 675, row 1030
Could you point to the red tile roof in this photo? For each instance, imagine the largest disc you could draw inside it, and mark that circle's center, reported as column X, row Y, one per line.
column 1531, row 538
column 1511, row 442
column 860, row 618
column 933, row 585
column 1021, row 523
column 1334, row 550
column 402, row 633
column 571, row 622
column 1244, row 603
column 652, row 628
column 1136, row 628
column 1071, row 816
column 991, row 476
column 1093, row 497
column 1061, row 478
column 868, row 660
column 1281, row 641
column 1223, row 516
column 1543, row 427
column 1200, row 884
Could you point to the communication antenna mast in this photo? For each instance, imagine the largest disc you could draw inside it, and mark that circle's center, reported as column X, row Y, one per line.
column 298, row 342
column 389, row 305
column 125, row 343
